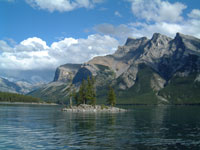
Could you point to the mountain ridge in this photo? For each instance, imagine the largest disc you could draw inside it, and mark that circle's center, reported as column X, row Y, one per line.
column 161, row 57
column 20, row 86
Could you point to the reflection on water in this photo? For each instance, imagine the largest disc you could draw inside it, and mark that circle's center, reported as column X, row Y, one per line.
column 143, row 127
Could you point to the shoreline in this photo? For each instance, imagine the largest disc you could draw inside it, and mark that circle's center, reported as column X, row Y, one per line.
column 84, row 108
column 28, row 103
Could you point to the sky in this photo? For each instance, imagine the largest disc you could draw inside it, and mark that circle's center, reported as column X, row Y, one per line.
column 44, row 34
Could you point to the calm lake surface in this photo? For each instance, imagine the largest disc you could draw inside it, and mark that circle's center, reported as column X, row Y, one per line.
column 143, row 127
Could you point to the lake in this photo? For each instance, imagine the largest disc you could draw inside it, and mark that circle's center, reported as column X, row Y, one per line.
column 143, row 127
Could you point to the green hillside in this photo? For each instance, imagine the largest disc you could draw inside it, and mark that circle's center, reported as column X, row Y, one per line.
column 12, row 97
column 182, row 90
column 52, row 94
column 141, row 92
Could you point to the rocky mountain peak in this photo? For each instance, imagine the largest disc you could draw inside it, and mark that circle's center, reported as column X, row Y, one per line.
column 141, row 70
column 191, row 44
column 178, row 37
column 183, row 36
column 159, row 38
column 131, row 41
column 178, row 34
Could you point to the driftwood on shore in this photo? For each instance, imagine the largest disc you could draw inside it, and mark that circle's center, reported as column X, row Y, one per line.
column 96, row 108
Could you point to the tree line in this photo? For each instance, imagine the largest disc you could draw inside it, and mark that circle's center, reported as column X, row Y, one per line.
column 87, row 93
column 12, row 97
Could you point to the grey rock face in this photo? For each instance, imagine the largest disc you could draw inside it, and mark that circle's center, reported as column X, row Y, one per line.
column 156, row 48
column 157, row 83
column 197, row 78
column 82, row 73
column 66, row 72
column 166, row 56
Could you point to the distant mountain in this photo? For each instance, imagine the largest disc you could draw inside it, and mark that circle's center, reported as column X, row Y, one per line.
column 30, row 76
column 7, row 86
column 21, row 87
column 160, row 70
column 58, row 89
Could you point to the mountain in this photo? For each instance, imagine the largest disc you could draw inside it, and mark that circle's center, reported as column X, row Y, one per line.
column 30, row 76
column 58, row 89
column 7, row 86
column 21, row 87
column 160, row 70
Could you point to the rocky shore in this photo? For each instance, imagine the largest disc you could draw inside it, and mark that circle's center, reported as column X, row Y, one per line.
column 97, row 108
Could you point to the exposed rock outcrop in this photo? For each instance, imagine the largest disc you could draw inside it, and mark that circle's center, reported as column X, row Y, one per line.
column 164, row 59
column 66, row 72
column 83, row 108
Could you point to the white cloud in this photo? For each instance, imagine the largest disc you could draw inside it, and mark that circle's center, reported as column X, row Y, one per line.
column 118, row 14
column 157, row 10
column 81, row 50
column 195, row 13
column 155, row 16
column 169, row 29
column 32, row 44
column 4, row 47
column 34, row 54
column 62, row 5
column 165, row 17
column 137, row 29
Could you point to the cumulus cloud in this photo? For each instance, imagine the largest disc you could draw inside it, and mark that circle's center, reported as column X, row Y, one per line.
column 157, row 10
column 34, row 53
column 190, row 27
column 165, row 18
column 81, row 50
column 195, row 13
column 138, row 29
column 4, row 46
column 155, row 16
column 62, row 5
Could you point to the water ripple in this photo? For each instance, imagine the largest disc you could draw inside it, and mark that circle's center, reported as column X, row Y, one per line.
column 48, row 128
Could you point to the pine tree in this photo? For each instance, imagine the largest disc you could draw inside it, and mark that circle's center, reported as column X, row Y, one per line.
column 87, row 92
column 91, row 92
column 71, row 95
column 82, row 93
column 75, row 97
column 111, row 97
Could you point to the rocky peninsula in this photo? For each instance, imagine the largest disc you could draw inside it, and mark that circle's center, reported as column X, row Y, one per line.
column 84, row 108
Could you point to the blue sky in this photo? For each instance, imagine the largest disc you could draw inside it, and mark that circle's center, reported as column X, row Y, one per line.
column 43, row 34
column 21, row 21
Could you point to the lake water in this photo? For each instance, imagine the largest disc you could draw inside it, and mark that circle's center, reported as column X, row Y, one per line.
column 143, row 127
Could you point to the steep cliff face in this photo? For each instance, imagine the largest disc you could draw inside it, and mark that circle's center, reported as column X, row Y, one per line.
column 58, row 89
column 66, row 72
column 144, row 71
